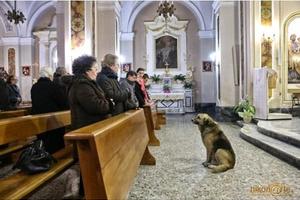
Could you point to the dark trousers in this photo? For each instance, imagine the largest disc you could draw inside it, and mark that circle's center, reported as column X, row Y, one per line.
column 53, row 140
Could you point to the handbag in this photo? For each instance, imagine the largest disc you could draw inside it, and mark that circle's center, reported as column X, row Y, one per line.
column 34, row 159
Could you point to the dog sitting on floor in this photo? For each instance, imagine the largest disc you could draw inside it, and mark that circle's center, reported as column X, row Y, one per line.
column 220, row 155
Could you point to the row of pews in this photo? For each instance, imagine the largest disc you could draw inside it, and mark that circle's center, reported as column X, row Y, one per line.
column 109, row 151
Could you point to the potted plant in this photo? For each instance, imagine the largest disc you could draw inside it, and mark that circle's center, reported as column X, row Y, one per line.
column 155, row 78
column 245, row 110
column 179, row 78
column 188, row 85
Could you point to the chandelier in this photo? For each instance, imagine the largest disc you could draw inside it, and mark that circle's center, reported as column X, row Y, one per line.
column 166, row 9
column 15, row 15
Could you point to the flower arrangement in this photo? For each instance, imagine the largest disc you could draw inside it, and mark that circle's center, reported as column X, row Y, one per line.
column 155, row 78
column 188, row 85
column 245, row 110
column 179, row 77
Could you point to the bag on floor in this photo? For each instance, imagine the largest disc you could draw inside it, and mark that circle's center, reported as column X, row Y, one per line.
column 34, row 159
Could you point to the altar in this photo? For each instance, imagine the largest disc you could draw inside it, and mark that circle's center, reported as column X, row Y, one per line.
column 169, row 102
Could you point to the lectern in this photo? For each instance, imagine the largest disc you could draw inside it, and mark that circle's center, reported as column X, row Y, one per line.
column 260, row 96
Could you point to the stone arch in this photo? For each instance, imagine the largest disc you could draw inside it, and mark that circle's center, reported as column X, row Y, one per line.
column 190, row 5
column 35, row 16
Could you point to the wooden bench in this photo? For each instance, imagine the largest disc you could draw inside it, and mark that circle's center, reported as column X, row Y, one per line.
column 13, row 113
column 152, row 121
column 110, row 153
column 21, row 185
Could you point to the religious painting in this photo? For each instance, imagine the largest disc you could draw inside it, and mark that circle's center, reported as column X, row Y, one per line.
column 126, row 67
column 293, row 43
column 166, row 52
column 207, row 66
column 11, row 61
column 26, row 70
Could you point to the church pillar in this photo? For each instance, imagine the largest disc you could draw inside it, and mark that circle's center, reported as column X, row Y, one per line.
column 226, row 69
column 127, row 46
column 60, row 23
column 107, row 33
column 43, row 37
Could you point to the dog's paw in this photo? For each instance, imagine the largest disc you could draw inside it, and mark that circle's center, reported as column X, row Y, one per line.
column 210, row 166
column 205, row 164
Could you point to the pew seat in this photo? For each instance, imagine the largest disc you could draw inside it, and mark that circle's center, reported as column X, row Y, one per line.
column 110, row 153
column 20, row 185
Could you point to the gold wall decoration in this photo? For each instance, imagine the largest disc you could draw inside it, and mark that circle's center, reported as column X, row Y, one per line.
column 77, row 24
column 266, row 13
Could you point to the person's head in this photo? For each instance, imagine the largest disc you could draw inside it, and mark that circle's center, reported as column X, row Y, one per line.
column 60, row 71
column 86, row 65
column 293, row 37
column 12, row 80
column 146, row 78
column 140, row 72
column 46, row 72
column 131, row 76
column 111, row 61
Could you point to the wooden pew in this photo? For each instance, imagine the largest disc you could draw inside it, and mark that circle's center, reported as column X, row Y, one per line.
column 20, row 185
column 13, row 113
column 110, row 153
column 151, row 118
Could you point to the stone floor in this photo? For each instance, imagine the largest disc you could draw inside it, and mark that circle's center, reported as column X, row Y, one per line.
column 179, row 174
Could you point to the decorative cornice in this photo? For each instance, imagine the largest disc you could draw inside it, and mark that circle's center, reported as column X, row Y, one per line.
column 109, row 5
column 26, row 41
column 127, row 36
column 10, row 41
column 206, row 34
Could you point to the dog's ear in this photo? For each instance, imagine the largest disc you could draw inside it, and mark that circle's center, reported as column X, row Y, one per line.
column 208, row 121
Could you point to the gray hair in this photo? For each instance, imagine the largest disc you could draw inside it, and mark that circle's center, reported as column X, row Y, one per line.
column 46, row 72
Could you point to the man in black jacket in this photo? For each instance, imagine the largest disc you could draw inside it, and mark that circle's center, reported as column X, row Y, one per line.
column 108, row 81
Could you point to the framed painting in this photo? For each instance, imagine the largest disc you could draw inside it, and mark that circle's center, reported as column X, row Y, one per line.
column 166, row 52
column 126, row 67
column 26, row 70
column 207, row 66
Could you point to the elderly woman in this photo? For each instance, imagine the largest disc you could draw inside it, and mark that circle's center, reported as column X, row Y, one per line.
column 88, row 102
column 108, row 81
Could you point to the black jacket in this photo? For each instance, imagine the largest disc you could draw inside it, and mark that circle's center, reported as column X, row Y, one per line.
column 47, row 97
column 139, row 94
column 4, row 93
column 87, row 102
column 14, row 96
column 108, row 81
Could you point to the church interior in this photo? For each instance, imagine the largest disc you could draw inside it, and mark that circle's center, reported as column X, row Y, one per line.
column 220, row 86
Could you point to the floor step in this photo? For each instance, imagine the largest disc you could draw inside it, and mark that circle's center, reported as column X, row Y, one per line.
column 280, row 149
column 287, row 131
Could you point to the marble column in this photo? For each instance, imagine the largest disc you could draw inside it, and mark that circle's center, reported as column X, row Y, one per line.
column 229, row 93
column 60, row 7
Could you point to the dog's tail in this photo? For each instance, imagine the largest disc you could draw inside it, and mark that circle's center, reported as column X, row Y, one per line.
column 219, row 168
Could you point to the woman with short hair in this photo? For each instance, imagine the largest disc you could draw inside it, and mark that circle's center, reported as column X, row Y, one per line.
column 14, row 95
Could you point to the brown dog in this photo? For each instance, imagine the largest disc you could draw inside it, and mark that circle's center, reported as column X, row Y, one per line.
column 220, row 155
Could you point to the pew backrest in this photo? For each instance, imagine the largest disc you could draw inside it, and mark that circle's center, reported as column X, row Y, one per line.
column 110, row 153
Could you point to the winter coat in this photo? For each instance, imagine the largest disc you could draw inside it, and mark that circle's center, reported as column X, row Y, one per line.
column 14, row 96
column 108, row 81
column 4, row 93
column 87, row 102
column 47, row 97
column 132, row 101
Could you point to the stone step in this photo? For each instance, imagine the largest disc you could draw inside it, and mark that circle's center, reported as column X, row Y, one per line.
column 281, row 150
column 286, row 131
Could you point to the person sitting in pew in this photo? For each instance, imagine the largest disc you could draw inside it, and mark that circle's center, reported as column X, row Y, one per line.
column 88, row 102
column 4, row 92
column 48, row 97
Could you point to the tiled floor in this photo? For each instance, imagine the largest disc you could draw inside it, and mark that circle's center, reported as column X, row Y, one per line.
column 180, row 175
